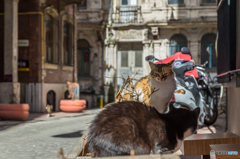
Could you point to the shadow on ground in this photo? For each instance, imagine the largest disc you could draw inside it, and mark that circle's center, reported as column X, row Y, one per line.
column 6, row 124
column 70, row 135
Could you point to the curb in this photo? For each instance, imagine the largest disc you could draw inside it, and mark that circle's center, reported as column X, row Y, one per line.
column 59, row 117
column 95, row 111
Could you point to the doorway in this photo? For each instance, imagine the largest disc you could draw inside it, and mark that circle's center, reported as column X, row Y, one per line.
column 130, row 60
column 51, row 99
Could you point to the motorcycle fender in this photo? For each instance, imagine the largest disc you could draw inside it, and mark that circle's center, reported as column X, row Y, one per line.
column 185, row 100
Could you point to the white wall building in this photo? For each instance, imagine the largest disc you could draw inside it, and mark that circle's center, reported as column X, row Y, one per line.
column 138, row 28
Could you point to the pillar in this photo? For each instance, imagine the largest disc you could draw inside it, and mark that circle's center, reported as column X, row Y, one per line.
column 196, row 53
column 164, row 49
column 146, row 52
column 106, row 89
column 111, row 63
column 11, row 41
column 11, row 49
column 156, row 48
column 75, row 78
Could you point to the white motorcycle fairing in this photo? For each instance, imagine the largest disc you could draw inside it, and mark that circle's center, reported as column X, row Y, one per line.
column 188, row 100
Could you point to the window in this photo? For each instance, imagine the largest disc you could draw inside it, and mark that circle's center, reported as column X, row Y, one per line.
column 124, row 59
column 208, row 52
column 128, row 11
column 83, row 6
column 138, row 58
column 129, row 2
column 175, row 1
column 177, row 41
column 67, row 44
column 49, row 38
column 209, row 1
column 83, row 58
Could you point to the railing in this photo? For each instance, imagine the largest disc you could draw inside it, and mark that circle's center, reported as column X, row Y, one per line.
column 212, row 64
column 128, row 14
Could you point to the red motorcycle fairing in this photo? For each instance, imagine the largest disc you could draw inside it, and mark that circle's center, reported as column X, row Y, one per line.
column 180, row 56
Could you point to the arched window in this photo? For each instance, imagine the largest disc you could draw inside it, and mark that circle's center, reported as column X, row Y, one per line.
column 177, row 41
column 67, row 44
column 83, row 57
column 208, row 52
column 175, row 1
column 49, row 39
column 209, row 2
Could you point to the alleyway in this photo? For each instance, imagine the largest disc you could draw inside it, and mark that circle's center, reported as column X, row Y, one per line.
column 42, row 139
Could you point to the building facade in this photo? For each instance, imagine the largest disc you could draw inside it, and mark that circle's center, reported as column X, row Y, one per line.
column 38, row 48
column 92, row 18
column 138, row 28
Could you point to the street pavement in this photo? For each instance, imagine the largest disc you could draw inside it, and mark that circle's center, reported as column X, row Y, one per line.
column 40, row 137
column 43, row 137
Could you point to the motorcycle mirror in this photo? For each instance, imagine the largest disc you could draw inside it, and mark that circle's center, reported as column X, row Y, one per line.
column 205, row 63
column 150, row 58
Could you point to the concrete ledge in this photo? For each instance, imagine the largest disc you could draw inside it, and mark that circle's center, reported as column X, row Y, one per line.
column 50, row 66
column 67, row 68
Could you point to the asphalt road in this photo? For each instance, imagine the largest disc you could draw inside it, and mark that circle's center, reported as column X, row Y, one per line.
column 43, row 139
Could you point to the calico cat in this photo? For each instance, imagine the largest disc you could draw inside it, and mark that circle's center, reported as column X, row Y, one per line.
column 161, row 78
column 125, row 126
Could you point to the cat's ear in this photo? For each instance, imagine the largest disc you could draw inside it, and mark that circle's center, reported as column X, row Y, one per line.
column 171, row 63
column 197, row 111
column 152, row 65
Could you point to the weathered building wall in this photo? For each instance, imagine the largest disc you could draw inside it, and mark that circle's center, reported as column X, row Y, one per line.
column 91, row 28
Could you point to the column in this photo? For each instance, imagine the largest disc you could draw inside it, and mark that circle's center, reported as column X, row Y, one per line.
column 11, row 48
column 163, row 49
column 146, row 52
column 99, row 59
column 106, row 89
column 156, row 48
column 75, row 79
column 11, row 40
column 111, row 63
column 106, row 74
column 195, row 51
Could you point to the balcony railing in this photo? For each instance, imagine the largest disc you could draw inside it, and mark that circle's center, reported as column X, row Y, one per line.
column 128, row 14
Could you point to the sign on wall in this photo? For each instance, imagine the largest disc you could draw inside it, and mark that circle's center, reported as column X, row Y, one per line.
column 24, row 42
column 23, row 65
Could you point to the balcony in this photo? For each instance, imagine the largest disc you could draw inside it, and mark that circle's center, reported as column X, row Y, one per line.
column 127, row 14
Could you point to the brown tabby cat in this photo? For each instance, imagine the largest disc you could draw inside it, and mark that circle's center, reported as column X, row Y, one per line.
column 125, row 126
column 161, row 78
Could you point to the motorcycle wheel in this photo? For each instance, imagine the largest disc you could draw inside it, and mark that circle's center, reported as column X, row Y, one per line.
column 211, row 120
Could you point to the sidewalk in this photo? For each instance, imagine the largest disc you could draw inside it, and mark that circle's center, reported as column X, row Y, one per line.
column 36, row 117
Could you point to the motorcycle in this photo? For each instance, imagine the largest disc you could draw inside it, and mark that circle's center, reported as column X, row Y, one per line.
column 191, row 92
